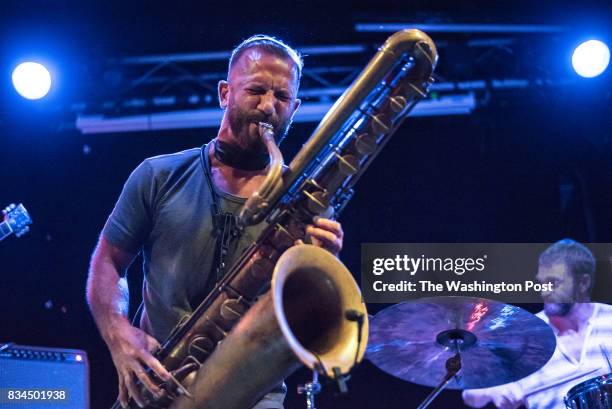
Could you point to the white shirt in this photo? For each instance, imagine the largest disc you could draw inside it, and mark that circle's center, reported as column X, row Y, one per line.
column 546, row 388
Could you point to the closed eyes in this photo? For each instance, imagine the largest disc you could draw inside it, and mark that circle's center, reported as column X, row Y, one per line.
column 259, row 91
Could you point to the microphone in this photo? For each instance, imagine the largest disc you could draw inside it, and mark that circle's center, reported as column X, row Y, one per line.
column 354, row 315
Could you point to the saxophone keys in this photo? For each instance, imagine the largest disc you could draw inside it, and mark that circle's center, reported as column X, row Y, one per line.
column 397, row 103
column 348, row 164
column 317, row 202
column 366, row 144
column 283, row 238
column 201, row 347
column 232, row 309
column 261, row 268
column 379, row 126
column 187, row 369
column 419, row 91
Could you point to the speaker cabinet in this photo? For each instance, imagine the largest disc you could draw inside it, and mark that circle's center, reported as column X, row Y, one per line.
column 43, row 378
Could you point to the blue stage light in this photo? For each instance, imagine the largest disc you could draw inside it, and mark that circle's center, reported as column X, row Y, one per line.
column 31, row 80
column 591, row 58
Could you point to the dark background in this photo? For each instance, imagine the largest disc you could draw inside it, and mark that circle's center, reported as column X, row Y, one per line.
column 493, row 176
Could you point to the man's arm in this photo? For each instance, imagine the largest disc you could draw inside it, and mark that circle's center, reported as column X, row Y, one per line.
column 508, row 396
column 108, row 298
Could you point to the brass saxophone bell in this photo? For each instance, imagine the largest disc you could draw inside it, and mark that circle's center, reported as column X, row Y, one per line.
column 312, row 292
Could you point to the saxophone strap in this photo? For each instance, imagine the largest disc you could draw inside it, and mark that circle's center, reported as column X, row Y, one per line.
column 225, row 224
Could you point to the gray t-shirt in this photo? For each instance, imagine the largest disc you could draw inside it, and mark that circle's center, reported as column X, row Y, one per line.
column 164, row 211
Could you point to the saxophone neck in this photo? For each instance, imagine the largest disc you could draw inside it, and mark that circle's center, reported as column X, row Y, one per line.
column 256, row 207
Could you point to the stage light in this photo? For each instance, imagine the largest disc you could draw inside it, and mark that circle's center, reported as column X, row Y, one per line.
column 591, row 58
column 31, row 80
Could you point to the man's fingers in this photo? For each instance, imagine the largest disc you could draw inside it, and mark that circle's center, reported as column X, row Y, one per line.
column 325, row 239
column 329, row 225
column 156, row 366
column 152, row 362
column 123, row 397
column 152, row 344
column 503, row 403
column 132, row 389
column 321, row 234
column 143, row 377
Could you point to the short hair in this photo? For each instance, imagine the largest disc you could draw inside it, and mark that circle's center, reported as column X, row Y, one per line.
column 270, row 45
column 576, row 257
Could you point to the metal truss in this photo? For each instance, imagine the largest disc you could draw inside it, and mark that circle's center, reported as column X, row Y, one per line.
column 180, row 90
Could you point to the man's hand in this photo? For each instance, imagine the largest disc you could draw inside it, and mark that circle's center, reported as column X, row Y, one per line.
column 131, row 351
column 107, row 295
column 327, row 234
column 509, row 396
column 507, row 402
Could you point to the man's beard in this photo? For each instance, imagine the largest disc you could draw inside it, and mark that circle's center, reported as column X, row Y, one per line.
column 558, row 309
column 563, row 308
column 240, row 120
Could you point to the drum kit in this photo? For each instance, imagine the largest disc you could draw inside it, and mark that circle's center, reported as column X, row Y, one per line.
column 595, row 393
column 468, row 343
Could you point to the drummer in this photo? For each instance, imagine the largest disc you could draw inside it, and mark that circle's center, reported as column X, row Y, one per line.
column 583, row 330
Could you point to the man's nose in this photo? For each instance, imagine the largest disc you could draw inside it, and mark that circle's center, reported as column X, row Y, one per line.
column 266, row 103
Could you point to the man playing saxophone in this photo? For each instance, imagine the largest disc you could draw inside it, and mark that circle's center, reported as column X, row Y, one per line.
column 178, row 210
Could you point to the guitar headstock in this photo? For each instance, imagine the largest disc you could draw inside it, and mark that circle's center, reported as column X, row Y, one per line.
column 17, row 218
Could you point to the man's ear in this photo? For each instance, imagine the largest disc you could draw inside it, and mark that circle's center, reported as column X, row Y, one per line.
column 296, row 105
column 223, row 91
column 585, row 283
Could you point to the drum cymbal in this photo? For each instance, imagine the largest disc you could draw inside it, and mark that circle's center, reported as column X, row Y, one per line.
column 498, row 343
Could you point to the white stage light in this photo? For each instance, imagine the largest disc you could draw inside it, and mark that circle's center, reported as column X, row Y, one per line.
column 31, row 80
column 591, row 58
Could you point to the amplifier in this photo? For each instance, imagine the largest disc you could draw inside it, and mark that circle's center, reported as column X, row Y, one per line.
column 43, row 378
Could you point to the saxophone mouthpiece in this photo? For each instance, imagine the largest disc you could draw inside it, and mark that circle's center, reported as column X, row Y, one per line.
column 266, row 129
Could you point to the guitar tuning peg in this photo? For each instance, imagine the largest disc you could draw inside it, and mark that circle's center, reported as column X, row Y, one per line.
column 22, row 231
column 8, row 209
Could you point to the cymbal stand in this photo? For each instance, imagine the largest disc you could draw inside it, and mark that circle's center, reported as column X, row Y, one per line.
column 453, row 366
column 310, row 389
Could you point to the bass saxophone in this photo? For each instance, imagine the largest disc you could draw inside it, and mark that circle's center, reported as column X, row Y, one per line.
column 237, row 345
